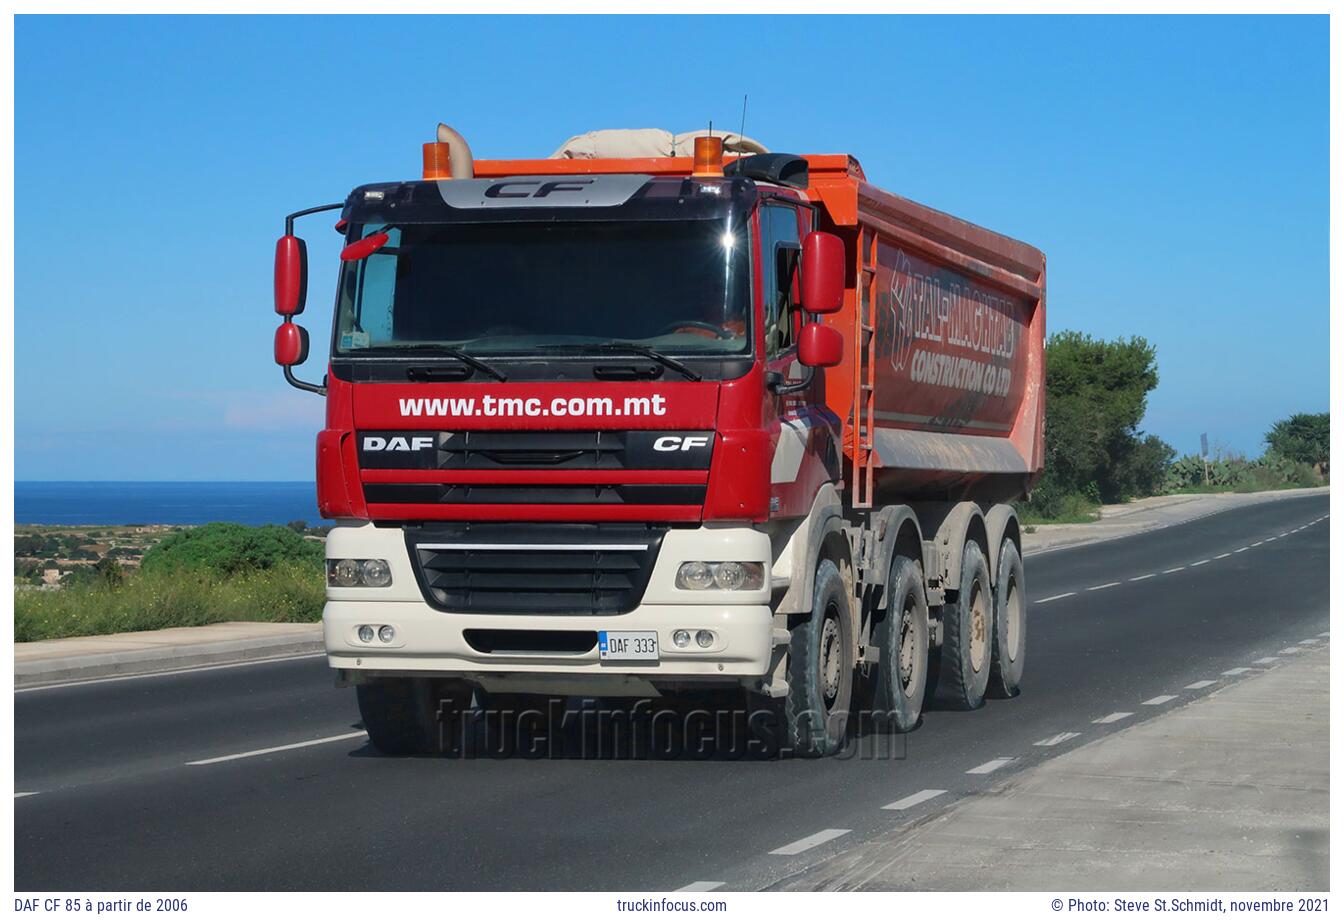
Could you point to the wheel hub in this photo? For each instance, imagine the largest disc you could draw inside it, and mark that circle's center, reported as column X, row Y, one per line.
column 830, row 658
column 979, row 629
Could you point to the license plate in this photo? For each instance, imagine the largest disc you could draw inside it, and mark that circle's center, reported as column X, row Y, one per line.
column 627, row 646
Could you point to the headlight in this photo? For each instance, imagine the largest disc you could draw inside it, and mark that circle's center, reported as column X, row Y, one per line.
column 358, row 573
column 726, row 576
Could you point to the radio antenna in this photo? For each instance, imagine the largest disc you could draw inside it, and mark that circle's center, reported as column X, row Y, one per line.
column 743, row 131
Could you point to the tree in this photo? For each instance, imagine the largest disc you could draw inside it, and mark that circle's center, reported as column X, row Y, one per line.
column 1304, row 438
column 226, row 549
column 1096, row 395
column 297, row 526
column 109, row 573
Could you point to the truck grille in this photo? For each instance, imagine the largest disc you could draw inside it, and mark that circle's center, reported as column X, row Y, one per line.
column 568, row 569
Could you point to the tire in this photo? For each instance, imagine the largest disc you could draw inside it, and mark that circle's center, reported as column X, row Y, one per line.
column 968, row 626
column 903, row 648
column 402, row 714
column 1010, row 624
column 816, row 710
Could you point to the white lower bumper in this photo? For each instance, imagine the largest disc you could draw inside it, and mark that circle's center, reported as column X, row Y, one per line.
column 432, row 641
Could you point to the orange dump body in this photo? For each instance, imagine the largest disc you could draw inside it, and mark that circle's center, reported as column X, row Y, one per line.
column 941, row 390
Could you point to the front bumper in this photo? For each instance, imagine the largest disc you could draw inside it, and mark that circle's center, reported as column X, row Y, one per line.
column 431, row 641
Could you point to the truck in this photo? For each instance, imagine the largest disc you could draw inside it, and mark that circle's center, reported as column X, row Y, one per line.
column 633, row 424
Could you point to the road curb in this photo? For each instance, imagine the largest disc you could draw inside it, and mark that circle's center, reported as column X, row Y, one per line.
column 130, row 663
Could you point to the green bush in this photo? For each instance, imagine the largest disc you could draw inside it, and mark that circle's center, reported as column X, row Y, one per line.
column 288, row 592
column 1302, row 438
column 227, row 549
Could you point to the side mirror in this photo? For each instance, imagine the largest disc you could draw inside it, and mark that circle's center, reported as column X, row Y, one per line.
column 291, row 275
column 820, row 346
column 823, row 273
column 291, row 345
column 362, row 249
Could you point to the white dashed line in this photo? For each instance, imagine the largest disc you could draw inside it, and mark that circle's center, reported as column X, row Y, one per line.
column 1308, row 641
column 1200, row 684
column 910, row 801
column 807, row 843
column 1242, row 550
column 1257, row 544
column 990, row 766
column 23, row 795
column 1159, row 700
column 272, row 750
column 1233, row 672
column 1200, row 562
column 1270, row 539
column 1179, row 568
column 1056, row 597
column 1113, row 717
column 1269, row 660
column 1290, row 650
column 1324, row 635
column 1056, row 739
column 1222, row 556
column 701, row 886
column 1109, row 584
column 1142, row 577
column 1284, row 534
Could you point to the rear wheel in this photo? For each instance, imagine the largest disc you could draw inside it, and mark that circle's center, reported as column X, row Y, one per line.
column 903, row 648
column 403, row 715
column 1010, row 624
column 968, row 625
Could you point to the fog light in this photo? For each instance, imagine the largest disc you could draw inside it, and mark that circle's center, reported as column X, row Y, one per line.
column 704, row 638
column 681, row 638
column 345, row 573
column 377, row 573
column 386, row 634
column 366, row 634
column 695, row 575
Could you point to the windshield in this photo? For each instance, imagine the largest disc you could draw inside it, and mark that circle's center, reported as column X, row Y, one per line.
column 678, row 286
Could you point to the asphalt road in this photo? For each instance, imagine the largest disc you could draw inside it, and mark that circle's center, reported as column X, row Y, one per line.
column 115, row 802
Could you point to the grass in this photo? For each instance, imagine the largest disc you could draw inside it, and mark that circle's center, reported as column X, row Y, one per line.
column 1069, row 509
column 289, row 593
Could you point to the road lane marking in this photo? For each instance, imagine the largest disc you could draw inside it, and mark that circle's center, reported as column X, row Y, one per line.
column 1056, row 739
column 23, row 795
column 1142, row 577
column 1270, row 539
column 1113, row 717
column 910, row 801
column 1284, row 534
column 1109, row 584
column 1242, row 550
column 1179, row 568
column 702, row 886
column 1324, row 635
column 990, row 766
column 807, row 843
column 1307, row 641
column 1269, row 660
column 173, row 672
column 272, row 750
column 1290, row 650
column 1159, row 700
column 1200, row 684
column 1233, row 672
column 1222, row 556
column 1056, row 597
column 1257, row 544
column 1200, row 562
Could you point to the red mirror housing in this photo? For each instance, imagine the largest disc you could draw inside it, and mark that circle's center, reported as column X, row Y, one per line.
column 291, row 275
column 820, row 346
column 823, row 273
column 291, row 345
column 362, row 249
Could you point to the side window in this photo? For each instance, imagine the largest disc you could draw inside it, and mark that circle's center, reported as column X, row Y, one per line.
column 780, row 251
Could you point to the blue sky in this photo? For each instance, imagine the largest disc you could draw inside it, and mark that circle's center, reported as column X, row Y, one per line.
column 1174, row 170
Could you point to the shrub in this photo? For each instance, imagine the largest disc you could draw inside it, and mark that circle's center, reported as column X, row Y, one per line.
column 227, row 549
column 1303, row 438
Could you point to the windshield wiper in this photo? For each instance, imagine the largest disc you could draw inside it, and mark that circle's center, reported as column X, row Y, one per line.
column 629, row 348
column 457, row 354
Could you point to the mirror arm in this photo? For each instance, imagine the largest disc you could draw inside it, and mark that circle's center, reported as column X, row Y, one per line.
column 303, row 384
column 290, row 218
column 779, row 387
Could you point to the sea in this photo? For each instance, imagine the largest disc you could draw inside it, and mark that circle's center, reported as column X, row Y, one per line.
column 119, row 503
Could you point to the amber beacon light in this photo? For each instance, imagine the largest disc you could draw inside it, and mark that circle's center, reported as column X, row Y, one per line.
column 708, row 157
column 436, row 160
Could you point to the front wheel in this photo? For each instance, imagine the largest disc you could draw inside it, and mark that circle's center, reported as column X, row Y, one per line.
column 404, row 715
column 821, row 670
